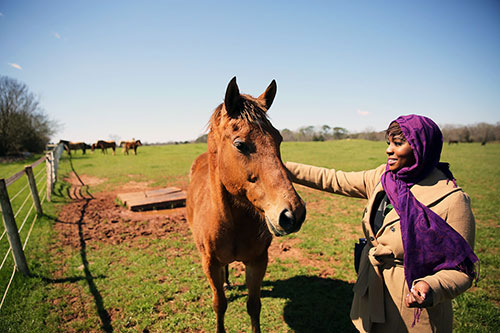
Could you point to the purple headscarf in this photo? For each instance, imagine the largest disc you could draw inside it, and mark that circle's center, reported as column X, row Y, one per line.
column 429, row 243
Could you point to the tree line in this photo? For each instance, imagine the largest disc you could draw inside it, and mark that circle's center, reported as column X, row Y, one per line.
column 480, row 132
column 24, row 125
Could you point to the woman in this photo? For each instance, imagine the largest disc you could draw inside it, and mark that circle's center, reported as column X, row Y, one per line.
column 420, row 231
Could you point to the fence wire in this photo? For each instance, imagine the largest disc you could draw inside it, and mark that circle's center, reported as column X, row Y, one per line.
column 20, row 191
column 24, row 247
column 41, row 184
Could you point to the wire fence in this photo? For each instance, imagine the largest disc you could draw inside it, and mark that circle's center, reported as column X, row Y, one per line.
column 21, row 198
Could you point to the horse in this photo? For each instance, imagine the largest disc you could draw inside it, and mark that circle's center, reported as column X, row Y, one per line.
column 130, row 145
column 450, row 142
column 69, row 146
column 104, row 145
column 240, row 195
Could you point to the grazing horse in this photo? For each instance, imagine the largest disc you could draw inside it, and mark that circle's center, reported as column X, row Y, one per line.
column 69, row 146
column 450, row 142
column 104, row 145
column 127, row 145
column 240, row 195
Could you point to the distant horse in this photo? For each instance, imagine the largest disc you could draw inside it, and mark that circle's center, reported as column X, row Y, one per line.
column 450, row 142
column 240, row 194
column 69, row 146
column 104, row 145
column 127, row 145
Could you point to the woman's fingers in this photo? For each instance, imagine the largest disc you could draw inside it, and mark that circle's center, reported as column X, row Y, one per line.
column 419, row 296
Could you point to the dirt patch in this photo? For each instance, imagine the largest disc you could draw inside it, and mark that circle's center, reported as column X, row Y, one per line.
column 76, row 180
column 132, row 186
column 101, row 219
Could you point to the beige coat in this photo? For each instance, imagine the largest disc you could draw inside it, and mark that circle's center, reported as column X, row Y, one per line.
column 380, row 290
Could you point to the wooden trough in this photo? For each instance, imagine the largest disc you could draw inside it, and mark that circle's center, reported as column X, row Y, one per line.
column 164, row 198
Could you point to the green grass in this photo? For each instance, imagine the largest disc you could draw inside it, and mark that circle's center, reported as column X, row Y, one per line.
column 148, row 285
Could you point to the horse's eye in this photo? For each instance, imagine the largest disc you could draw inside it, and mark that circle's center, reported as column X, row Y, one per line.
column 241, row 146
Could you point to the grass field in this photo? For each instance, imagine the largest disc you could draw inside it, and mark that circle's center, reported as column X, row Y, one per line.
column 157, row 285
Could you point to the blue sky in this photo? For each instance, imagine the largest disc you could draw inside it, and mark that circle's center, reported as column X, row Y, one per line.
column 155, row 70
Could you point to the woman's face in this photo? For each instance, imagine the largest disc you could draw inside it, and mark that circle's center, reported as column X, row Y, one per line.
column 399, row 153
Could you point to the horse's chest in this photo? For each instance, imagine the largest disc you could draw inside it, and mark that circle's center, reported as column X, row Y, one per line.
column 242, row 244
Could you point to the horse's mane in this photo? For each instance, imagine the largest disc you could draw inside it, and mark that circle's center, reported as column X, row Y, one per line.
column 250, row 111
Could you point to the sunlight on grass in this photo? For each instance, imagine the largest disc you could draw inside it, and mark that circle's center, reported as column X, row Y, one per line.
column 158, row 284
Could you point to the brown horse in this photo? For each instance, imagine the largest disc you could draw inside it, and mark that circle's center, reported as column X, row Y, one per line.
column 127, row 145
column 104, row 145
column 69, row 146
column 240, row 194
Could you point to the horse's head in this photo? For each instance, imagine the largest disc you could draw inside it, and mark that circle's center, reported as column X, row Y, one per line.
column 138, row 143
column 245, row 155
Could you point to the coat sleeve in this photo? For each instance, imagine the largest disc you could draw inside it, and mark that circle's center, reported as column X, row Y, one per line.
column 353, row 184
column 448, row 284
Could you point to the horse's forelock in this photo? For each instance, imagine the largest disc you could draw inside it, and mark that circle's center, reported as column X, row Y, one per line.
column 251, row 112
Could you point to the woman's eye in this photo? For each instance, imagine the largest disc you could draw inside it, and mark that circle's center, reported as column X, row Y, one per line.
column 397, row 143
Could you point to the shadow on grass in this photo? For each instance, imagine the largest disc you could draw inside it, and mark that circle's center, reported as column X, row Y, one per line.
column 314, row 304
column 88, row 277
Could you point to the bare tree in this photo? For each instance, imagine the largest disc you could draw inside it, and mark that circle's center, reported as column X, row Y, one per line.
column 24, row 126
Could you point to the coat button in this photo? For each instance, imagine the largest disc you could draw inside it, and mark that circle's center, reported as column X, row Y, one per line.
column 371, row 238
column 393, row 229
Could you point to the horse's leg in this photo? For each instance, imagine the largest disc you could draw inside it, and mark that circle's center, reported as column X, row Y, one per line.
column 215, row 274
column 227, row 284
column 255, row 271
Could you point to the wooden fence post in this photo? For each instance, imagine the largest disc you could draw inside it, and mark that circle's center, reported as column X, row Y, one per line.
column 34, row 191
column 11, row 227
column 48, row 165
column 54, row 170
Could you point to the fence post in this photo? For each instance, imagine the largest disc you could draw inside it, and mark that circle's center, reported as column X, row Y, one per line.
column 48, row 164
column 11, row 227
column 34, row 191
column 54, row 170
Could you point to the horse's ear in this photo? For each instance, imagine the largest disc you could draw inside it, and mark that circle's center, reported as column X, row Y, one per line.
column 232, row 99
column 267, row 97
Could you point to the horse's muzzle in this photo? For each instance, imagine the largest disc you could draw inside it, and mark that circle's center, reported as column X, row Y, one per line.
column 288, row 222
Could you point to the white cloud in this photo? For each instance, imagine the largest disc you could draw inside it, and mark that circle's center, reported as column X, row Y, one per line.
column 1, row 14
column 363, row 113
column 16, row 66
column 56, row 35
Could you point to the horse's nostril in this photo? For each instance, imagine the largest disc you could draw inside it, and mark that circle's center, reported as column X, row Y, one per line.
column 287, row 220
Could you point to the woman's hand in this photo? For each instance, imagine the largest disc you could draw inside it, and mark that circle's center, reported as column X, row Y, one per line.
column 420, row 296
